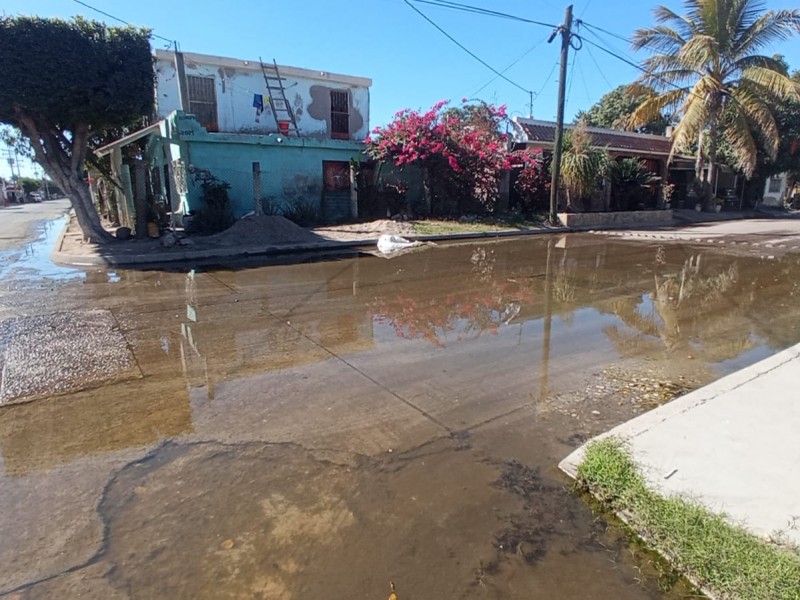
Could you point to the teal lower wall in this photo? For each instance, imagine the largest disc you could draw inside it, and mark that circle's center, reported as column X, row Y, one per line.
column 290, row 174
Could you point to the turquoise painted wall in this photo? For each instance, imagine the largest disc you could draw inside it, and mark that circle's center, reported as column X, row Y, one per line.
column 291, row 168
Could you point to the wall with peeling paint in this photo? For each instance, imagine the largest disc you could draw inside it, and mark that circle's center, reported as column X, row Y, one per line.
column 291, row 168
column 236, row 81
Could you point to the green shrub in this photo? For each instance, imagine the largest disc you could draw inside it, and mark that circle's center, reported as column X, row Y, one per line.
column 217, row 213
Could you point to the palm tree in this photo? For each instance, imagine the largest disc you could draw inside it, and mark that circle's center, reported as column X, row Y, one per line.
column 705, row 65
column 582, row 166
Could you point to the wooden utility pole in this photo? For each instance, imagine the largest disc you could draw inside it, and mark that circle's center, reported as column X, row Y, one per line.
column 566, row 34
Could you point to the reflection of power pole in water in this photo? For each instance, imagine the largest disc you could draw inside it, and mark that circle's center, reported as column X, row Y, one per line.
column 195, row 365
column 548, row 321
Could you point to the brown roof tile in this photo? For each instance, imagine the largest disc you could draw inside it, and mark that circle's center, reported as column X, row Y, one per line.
column 637, row 143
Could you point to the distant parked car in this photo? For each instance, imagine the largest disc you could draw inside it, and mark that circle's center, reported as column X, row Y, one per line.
column 36, row 196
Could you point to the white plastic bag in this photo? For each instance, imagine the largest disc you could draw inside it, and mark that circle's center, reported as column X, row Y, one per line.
column 392, row 243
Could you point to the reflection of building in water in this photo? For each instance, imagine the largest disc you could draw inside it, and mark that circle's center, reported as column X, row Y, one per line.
column 293, row 315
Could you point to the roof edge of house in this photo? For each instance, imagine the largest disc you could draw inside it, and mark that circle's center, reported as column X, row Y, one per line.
column 541, row 123
column 255, row 65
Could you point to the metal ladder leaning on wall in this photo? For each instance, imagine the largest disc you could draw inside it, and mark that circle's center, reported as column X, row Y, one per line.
column 276, row 94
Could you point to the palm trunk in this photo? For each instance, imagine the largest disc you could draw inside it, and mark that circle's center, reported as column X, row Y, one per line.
column 699, row 163
column 712, row 163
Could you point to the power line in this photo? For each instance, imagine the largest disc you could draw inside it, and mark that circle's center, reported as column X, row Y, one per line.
column 571, row 74
column 599, row 70
column 649, row 74
column 110, row 16
column 583, row 12
column 636, row 66
column 606, row 31
column 464, row 48
column 583, row 81
column 546, row 81
column 481, row 11
column 493, row 79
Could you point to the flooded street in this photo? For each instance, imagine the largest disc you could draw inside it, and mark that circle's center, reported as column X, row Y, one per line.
column 319, row 429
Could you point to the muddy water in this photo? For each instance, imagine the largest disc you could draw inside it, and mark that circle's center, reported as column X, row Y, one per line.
column 320, row 429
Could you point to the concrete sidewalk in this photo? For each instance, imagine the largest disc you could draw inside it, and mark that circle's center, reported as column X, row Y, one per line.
column 732, row 445
column 771, row 236
column 70, row 251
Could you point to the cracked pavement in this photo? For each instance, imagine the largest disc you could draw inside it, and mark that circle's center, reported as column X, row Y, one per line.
column 295, row 431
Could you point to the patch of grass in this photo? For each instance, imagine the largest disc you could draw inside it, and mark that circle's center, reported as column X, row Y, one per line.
column 714, row 554
column 444, row 227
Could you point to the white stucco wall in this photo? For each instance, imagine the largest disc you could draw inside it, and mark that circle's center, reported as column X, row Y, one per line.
column 236, row 81
column 775, row 198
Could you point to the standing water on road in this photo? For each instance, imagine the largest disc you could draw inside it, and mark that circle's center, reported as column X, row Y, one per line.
column 321, row 429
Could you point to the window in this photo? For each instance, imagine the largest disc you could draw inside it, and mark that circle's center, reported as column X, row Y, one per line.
column 203, row 101
column 340, row 115
column 775, row 184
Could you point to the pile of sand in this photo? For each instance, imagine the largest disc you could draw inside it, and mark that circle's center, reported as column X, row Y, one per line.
column 370, row 230
column 259, row 230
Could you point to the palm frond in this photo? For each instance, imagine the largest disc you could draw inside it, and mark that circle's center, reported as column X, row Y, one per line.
column 758, row 60
column 741, row 141
column 771, row 27
column 699, row 51
column 652, row 108
column 684, row 26
column 777, row 83
column 658, row 39
column 750, row 101
column 694, row 119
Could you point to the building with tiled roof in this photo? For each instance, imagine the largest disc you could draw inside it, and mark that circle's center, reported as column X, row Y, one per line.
column 541, row 134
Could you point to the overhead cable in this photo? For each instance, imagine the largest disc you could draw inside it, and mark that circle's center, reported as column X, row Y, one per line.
column 481, row 11
column 464, row 48
column 511, row 64
column 110, row 16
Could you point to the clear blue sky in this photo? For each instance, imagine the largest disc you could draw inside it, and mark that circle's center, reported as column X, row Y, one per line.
column 410, row 62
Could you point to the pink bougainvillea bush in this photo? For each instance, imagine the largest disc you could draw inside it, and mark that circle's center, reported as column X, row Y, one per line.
column 460, row 151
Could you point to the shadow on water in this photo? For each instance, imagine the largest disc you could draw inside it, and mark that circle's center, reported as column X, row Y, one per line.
column 322, row 428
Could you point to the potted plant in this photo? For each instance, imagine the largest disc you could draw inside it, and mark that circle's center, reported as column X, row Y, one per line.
column 718, row 204
column 667, row 190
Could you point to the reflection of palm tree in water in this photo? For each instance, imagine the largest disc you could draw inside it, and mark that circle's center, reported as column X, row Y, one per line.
column 691, row 311
column 671, row 292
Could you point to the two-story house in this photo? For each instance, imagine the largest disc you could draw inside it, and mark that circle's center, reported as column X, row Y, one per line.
column 226, row 118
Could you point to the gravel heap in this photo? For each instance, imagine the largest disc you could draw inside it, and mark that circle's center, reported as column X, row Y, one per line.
column 263, row 230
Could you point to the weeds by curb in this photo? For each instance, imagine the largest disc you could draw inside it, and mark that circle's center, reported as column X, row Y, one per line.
column 722, row 559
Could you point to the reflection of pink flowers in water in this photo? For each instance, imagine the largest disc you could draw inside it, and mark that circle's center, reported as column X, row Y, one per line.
column 469, row 314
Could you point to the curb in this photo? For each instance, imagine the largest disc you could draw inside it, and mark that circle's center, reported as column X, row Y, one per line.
column 642, row 423
column 156, row 258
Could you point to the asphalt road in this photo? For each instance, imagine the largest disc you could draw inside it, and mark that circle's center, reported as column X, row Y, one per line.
column 18, row 221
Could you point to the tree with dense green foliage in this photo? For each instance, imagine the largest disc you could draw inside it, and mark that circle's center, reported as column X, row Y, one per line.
column 64, row 82
column 706, row 67
column 614, row 109
column 787, row 159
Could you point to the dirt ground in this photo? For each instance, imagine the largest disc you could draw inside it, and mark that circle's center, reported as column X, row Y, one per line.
column 365, row 231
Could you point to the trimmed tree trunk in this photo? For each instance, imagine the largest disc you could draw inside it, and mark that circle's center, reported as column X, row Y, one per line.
column 77, row 190
column 427, row 189
column 63, row 160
